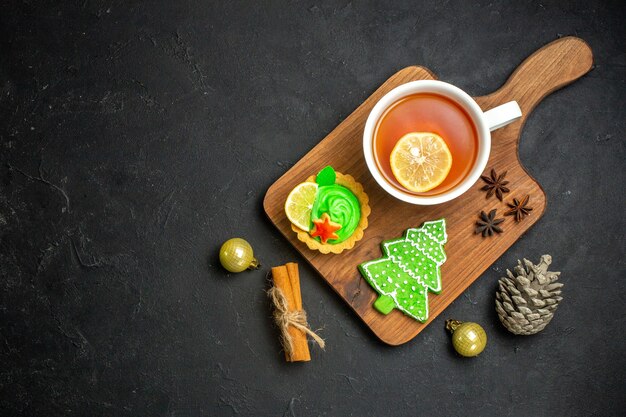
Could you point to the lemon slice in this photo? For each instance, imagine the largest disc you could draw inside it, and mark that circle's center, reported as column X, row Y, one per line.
column 299, row 204
column 420, row 161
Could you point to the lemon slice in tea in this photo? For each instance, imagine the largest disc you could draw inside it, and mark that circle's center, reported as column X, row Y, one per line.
column 420, row 161
column 299, row 204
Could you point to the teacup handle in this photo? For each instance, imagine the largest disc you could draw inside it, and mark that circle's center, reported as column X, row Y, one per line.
column 502, row 115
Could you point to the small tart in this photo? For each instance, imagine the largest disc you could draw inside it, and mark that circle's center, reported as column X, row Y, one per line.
column 350, row 183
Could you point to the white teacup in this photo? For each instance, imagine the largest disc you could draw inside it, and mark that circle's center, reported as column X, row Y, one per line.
column 484, row 123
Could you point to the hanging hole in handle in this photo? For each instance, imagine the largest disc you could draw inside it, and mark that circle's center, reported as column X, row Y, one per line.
column 502, row 115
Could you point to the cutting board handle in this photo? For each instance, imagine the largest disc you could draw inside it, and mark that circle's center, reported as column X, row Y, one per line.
column 550, row 68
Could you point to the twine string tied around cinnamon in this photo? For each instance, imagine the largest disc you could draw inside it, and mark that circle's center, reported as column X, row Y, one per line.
column 285, row 318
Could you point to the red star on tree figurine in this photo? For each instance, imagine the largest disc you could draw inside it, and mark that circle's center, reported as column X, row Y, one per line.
column 325, row 228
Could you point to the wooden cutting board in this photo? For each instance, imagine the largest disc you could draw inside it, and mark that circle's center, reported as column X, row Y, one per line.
column 551, row 67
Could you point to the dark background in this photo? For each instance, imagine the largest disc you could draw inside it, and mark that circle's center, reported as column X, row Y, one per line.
column 135, row 137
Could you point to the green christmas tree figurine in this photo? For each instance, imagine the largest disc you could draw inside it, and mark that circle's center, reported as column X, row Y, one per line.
column 408, row 270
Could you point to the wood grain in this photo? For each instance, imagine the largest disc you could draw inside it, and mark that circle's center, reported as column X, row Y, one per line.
column 551, row 67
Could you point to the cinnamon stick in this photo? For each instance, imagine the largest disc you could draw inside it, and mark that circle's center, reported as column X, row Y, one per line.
column 287, row 279
column 294, row 280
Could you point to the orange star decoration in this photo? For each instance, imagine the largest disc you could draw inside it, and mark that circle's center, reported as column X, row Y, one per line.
column 325, row 228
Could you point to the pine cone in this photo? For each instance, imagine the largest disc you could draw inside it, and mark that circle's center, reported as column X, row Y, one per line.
column 526, row 300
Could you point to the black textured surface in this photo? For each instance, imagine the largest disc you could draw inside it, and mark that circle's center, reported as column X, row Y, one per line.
column 136, row 137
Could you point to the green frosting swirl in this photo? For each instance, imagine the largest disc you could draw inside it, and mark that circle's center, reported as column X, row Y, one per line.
column 341, row 205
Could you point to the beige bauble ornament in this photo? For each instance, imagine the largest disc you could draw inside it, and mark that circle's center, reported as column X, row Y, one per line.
column 236, row 255
column 527, row 297
column 468, row 339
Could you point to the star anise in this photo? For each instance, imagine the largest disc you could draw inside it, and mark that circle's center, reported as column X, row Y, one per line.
column 519, row 209
column 495, row 184
column 488, row 224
